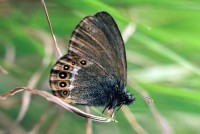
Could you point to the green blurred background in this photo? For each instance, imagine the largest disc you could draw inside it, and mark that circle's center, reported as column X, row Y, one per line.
column 162, row 54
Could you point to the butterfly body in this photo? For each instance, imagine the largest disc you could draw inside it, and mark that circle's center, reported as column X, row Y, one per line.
column 94, row 70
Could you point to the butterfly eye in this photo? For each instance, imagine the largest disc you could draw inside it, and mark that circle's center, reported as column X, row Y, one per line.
column 62, row 75
column 83, row 62
column 63, row 84
column 66, row 67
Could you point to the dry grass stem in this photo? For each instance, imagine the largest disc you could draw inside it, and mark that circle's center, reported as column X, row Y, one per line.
column 88, row 122
column 161, row 121
column 133, row 121
column 58, row 101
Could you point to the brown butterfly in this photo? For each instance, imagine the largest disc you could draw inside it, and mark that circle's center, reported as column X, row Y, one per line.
column 94, row 71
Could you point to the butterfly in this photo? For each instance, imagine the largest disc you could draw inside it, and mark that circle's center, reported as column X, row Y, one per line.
column 94, row 71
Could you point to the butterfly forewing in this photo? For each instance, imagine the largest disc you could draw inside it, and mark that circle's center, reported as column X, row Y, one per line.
column 98, row 39
column 118, row 44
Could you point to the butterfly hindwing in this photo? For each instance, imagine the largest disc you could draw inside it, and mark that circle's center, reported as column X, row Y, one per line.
column 78, row 80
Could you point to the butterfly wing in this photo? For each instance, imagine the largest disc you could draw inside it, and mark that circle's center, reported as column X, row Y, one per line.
column 94, row 65
column 98, row 39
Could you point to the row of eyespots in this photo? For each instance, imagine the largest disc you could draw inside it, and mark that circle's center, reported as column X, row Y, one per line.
column 57, row 77
column 83, row 62
column 60, row 75
column 67, row 67
column 69, row 61
column 64, row 75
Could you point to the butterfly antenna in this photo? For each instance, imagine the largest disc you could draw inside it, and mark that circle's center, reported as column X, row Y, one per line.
column 104, row 109
column 50, row 27
column 117, row 109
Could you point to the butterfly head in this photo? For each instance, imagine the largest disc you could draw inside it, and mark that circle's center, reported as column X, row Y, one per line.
column 119, row 97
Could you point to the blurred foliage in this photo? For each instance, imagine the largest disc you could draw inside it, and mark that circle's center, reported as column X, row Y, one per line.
column 163, row 58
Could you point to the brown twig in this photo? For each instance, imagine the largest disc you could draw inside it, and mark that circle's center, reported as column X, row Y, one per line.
column 58, row 101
